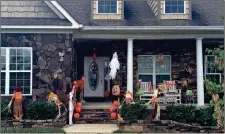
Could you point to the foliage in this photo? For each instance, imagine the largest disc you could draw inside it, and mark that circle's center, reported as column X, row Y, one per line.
column 33, row 130
column 215, row 88
column 204, row 117
column 42, row 110
column 188, row 114
column 4, row 114
column 181, row 113
column 136, row 111
column 120, row 131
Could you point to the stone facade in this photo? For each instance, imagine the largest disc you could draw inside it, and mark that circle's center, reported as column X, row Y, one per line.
column 51, row 54
column 165, row 126
column 10, row 124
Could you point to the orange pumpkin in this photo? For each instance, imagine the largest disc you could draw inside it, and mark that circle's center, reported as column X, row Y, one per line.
column 76, row 115
column 78, row 109
column 155, row 100
column 113, row 115
column 79, row 104
column 116, row 103
column 112, row 109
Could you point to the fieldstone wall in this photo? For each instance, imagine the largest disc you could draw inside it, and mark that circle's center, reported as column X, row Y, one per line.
column 10, row 124
column 51, row 54
column 164, row 126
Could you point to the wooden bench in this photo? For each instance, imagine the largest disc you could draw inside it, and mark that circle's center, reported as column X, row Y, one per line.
column 169, row 96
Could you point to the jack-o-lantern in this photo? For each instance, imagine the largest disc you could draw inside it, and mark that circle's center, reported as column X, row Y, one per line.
column 112, row 109
column 78, row 109
column 76, row 115
column 113, row 115
column 116, row 103
column 116, row 90
column 79, row 104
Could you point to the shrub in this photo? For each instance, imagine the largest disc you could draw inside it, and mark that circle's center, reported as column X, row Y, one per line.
column 42, row 110
column 4, row 114
column 181, row 113
column 134, row 112
column 33, row 130
column 204, row 117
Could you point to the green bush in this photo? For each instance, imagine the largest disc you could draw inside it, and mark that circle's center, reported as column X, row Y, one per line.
column 4, row 114
column 181, row 113
column 204, row 117
column 42, row 110
column 134, row 112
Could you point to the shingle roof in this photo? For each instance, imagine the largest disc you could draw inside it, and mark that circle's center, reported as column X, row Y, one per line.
column 138, row 13
column 34, row 21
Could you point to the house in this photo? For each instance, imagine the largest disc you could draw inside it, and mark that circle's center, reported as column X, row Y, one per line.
column 41, row 38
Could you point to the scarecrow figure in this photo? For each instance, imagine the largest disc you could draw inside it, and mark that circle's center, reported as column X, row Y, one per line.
column 17, row 105
column 114, row 66
column 154, row 100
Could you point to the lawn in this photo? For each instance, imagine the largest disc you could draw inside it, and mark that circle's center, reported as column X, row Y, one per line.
column 33, row 130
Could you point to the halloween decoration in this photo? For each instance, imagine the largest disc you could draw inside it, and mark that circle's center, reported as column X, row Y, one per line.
column 79, row 87
column 17, row 105
column 112, row 109
column 116, row 103
column 154, row 100
column 113, row 115
column 54, row 98
column 160, row 60
column 76, row 115
column 128, row 98
column 116, row 90
column 106, row 94
column 114, row 66
column 79, row 104
column 72, row 102
column 78, row 109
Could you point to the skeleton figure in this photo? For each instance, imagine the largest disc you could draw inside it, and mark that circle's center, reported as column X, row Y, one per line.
column 54, row 98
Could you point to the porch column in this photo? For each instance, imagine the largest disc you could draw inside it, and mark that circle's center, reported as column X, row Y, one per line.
column 130, row 65
column 200, row 82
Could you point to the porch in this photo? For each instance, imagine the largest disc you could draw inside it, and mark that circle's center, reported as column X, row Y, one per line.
column 181, row 62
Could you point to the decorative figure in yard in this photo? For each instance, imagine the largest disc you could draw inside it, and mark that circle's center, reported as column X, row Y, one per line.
column 114, row 66
column 116, row 92
column 54, row 98
column 154, row 100
column 128, row 98
column 72, row 102
column 17, row 106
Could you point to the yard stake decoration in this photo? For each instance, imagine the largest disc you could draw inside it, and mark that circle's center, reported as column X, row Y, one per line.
column 114, row 66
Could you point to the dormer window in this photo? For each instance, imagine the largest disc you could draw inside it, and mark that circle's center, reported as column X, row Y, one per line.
column 174, row 7
column 107, row 7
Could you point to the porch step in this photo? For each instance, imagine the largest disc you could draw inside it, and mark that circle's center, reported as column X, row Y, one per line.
column 95, row 116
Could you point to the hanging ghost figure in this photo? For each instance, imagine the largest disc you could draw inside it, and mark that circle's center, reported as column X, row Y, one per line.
column 114, row 66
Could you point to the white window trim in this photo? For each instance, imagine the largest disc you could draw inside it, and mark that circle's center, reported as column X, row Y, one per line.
column 154, row 69
column 206, row 66
column 117, row 9
column 164, row 9
column 7, row 71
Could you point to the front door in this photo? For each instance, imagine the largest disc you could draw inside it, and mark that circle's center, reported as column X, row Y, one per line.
column 96, row 76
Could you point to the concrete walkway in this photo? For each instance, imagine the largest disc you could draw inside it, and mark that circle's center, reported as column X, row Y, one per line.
column 91, row 128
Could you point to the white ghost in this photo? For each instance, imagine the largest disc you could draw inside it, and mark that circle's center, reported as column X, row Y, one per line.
column 114, row 66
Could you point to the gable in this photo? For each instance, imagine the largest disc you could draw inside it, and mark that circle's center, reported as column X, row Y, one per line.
column 26, row 9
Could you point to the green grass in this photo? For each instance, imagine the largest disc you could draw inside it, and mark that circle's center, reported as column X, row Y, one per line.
column 119, row 131
column 33, row 130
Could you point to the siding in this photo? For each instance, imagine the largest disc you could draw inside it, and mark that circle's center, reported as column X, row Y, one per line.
column 26, row 9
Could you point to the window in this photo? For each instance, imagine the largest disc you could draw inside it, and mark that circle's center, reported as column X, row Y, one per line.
column 107, row 6
column 174, row 7
column 211, row 73
column 16, row 70
column 149, row 69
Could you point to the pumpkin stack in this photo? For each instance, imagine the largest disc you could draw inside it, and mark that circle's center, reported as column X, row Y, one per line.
column 77, row 110
column 113, row 110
